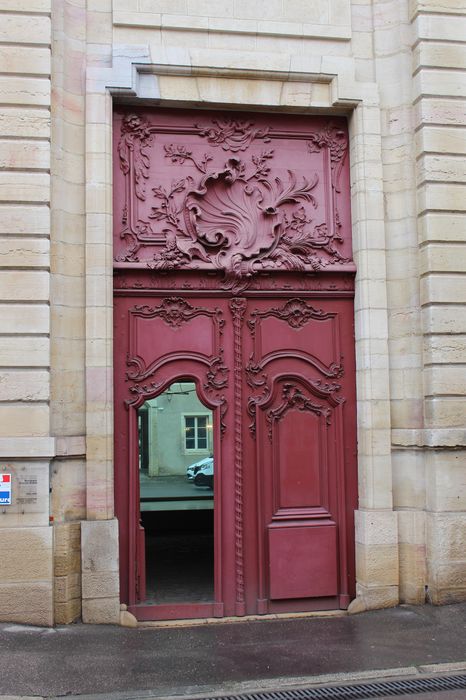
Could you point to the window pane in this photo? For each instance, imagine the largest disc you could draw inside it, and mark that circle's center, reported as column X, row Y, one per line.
column 202, row 443
column 190, row 444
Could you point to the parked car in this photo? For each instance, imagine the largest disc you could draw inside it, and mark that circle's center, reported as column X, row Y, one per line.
column 205, row 475
column 193, row 469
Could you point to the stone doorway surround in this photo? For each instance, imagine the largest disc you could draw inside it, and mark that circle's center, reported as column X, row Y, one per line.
column 330, row 89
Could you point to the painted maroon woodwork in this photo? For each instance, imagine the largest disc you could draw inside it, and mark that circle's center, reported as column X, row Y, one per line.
column 233, row 269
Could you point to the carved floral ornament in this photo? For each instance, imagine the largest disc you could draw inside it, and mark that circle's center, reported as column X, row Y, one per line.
column 238, row 218
column 296, row 313
column 175, row 312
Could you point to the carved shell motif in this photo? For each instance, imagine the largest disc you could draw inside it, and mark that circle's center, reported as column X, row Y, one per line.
column 236, row 218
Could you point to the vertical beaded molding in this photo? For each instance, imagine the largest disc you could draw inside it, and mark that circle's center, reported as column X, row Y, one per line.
column 237, row 308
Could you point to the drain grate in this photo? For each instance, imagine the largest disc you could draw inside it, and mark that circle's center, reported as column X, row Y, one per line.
column 360, row 691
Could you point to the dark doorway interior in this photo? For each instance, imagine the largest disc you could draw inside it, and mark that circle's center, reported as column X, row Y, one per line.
column 179, row 556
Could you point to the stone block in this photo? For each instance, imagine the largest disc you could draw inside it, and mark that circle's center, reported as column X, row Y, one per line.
column 67, row 612
column 440, row 55
column 25, row 59
column 438, row 110
column 26, row 554
column 29, row 420
column 413, row 573
column 377, row 565
column 440, row 27
column 374, row 598
column 409, row 481
column 444, row 168
column 446, row 482
column 441, row 139
column 441, row 7
column 445, row 379
column 33, row 155
column 100, row 585
column 67, row 588
column 27, row 91
column 444, row 257
column 99, row 544
column 21, row 123
column 69, row 490
column 376, row 527
column 446, row 412
column 26, row 6
column 24, row 253
column 20, row 218
column 25, row 187
column 440, row 288
column 444, row 349
column 442, row 197
column 446, row 538
column 16, row 352
column 24, row 386
column 29, row 603
column 444, row 319
column 17, row 29
column 103, row 611
column 67, row 549
column 24, row 285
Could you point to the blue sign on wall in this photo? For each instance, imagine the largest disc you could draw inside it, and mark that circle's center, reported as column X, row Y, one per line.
column 5, row 489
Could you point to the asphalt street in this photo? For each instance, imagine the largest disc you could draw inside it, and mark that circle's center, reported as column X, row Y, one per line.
column 211, row 659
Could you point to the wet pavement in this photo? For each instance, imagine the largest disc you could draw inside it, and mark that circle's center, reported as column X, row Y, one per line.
column 229, row 657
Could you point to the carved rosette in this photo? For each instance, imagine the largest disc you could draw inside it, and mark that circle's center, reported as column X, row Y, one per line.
column 238, row 308
column 237, row 217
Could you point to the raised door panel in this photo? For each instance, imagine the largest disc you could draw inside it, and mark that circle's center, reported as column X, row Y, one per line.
column 303, row 561
column 298, row 390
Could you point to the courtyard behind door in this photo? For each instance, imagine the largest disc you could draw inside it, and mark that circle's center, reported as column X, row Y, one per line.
column 235, row 478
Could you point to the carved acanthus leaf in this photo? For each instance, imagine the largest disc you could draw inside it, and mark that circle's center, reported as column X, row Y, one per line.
column 238, row 218
column 136, row 137
column 293, row 398
column 295, row 312
column 232, row 134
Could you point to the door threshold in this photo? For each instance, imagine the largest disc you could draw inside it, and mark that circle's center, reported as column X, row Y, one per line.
column 245, row 618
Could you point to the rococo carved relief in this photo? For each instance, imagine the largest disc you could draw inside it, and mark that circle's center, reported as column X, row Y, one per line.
column 244, row 214
column 176, row 312
column 296, row 313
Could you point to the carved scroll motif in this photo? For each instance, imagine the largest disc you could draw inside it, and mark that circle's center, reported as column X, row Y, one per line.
column 175, row 312
column 296, row 313
column 232, row 134
column 238, row 308
column 237, row 217
column 334, row 140
column 293, row 397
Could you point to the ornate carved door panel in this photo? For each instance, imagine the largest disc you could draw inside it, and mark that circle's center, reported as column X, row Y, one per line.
column 301, row 407
column 233, row 269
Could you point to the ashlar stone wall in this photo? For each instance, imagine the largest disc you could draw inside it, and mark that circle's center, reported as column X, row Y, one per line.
column 397, row 69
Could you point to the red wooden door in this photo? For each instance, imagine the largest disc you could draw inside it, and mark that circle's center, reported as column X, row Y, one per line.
column 236, row 274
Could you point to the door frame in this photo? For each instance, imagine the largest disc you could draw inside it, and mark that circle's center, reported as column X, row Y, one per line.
column 345, row 95
column 130, row 503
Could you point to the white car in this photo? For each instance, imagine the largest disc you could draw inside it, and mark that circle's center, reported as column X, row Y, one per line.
column 205, row 475
column 194, row 468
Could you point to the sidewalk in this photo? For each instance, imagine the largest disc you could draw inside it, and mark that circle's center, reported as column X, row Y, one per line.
column 231, row 657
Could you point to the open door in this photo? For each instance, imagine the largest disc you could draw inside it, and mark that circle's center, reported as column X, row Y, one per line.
column 235, row 409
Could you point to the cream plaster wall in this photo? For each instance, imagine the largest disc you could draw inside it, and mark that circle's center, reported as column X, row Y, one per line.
column 397, row 70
